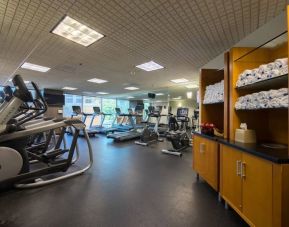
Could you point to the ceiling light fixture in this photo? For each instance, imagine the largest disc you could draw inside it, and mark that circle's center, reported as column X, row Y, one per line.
column 150, row 66
column 131, row 88
column 69, row 88
column 189, row 95
column 177, row 98
column 102, row 93
column 159, row 94
column 192, row 86
column 96, row 80
column 130, row 97
column 34, row 67
column 77, row 32
column 178, row 81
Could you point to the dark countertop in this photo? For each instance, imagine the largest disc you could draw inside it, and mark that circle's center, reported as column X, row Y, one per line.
column 279, row 156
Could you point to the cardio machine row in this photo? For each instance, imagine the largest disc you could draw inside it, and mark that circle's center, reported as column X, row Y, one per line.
column 129, row 126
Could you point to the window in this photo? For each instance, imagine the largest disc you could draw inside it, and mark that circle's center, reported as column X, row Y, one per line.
column 108, row 106
column 71, row 100
column 90, row 102
column 123, row 105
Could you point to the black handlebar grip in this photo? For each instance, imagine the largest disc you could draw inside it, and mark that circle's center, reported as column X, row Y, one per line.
column 22, row 91
column 39, row 96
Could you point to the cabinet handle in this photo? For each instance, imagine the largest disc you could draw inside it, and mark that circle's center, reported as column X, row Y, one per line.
column 243, row 170
column 202, row 148
column 238, row 167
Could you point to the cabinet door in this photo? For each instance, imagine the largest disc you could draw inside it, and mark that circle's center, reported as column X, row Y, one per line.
column 206, row 160
column 257, row 190
column 230, row 180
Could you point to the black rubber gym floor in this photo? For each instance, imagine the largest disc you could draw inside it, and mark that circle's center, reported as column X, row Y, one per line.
column 128, row 185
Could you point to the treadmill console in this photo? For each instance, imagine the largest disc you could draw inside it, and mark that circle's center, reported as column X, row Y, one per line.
column 182, row 114
column 96, row 110
column 76, row 110
column 117, row 110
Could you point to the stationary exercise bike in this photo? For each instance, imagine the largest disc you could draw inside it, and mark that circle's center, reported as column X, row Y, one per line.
column 178, row 135
column 149, row 135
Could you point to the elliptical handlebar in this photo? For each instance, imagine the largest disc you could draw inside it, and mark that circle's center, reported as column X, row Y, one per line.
column 40, row 106
column 21, row 91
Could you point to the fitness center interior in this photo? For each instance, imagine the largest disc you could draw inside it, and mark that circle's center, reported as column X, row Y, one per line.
column 144, row 113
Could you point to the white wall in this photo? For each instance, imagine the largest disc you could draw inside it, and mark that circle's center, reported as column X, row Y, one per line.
column 190, row 103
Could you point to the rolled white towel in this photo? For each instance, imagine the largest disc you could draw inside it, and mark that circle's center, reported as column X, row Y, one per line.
column 240, row 83
column 284, row 70
column 260, row 76
column 273, row 73
column 283, row 101
column 271, row 65
column 262, row 95
column 264, row 103
column 263, row 69
column 280, row 63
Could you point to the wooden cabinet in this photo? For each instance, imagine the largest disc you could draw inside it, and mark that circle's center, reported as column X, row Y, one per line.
column 257, row 190
column 247, row 185
column 230, row 180
column 206, row 159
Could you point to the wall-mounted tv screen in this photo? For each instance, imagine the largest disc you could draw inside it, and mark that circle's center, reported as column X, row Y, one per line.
column 54, row 97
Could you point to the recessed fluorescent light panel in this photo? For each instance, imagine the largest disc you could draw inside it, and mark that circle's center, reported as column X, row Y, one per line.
column 178, row 81
column 177, row 98
column 98, row 81
column 150, row 66
column 77, row 32
column 102, row 93
column 69, row 88
column 34, row 67
column 130, row 97
column 192, row 86
column 159, row 94
column 131, row 88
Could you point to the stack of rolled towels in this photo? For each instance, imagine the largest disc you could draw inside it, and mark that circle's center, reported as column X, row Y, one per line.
column 214, row 93
column 266, row 71
column 263, row 100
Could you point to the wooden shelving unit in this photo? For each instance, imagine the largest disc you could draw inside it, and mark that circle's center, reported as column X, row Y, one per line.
column 270, row 124
column 251, row 178
column 216, row 113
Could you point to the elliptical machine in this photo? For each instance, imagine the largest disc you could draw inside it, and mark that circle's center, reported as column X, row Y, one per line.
column 15, row 166
column 178, row 135
column 149, row 135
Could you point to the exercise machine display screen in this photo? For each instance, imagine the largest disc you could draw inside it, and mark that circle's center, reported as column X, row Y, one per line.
column 183, row 112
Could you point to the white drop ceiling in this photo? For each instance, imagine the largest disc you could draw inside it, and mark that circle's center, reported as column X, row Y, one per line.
column 181, row 35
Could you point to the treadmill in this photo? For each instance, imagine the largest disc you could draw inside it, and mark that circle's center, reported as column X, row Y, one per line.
column 121, row 126
column 162, row 129
column 134, row 133
column 76, row 112
column 99, row 128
